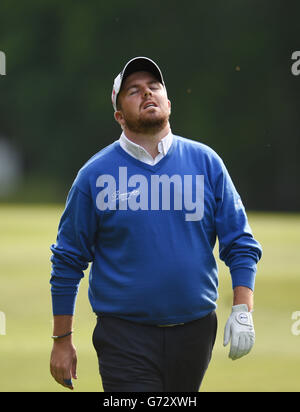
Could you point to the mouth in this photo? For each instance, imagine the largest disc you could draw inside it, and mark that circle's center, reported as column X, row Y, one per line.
column 149, row 104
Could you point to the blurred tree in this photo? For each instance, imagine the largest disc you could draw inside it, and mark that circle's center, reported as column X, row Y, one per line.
column 226, row 66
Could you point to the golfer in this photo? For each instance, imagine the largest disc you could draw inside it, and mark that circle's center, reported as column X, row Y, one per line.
column 146, row 212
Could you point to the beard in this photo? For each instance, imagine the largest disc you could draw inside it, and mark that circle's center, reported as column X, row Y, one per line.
column 147, row 124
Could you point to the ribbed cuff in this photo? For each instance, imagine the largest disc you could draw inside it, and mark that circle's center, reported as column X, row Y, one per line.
column 243, row 277
column 63, row 304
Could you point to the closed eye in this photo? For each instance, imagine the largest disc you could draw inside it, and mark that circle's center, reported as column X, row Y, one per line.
column 132, row 90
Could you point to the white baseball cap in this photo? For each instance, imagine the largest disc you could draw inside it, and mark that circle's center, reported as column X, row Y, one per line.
column 135, row 65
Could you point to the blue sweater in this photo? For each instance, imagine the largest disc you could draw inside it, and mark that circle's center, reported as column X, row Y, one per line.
column 149, row 232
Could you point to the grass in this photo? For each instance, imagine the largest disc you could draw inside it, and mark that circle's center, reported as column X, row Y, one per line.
column 26, row 233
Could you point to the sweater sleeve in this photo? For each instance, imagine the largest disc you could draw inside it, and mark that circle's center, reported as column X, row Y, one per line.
column 237, row 246
column 73, row 250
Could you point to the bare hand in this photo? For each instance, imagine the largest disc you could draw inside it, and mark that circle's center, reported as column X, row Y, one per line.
column 63, row 363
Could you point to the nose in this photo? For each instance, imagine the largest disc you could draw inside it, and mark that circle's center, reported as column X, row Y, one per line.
column 147, row 92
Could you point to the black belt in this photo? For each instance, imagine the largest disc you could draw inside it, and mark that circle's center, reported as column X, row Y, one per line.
column 170, row 325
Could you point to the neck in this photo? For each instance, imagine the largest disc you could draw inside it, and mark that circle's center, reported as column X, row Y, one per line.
column 149, row 141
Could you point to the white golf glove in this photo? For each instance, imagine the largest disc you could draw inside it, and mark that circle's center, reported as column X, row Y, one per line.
column 240, row 330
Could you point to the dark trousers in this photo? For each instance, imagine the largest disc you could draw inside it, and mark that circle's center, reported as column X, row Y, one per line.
column 145, row 358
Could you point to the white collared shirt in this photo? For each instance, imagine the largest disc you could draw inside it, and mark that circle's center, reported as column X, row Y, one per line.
column 138, row 152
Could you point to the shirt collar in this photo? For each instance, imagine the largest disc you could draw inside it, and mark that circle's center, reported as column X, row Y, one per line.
column 139, row 152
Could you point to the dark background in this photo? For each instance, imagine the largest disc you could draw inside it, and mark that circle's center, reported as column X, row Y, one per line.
column 227, row 68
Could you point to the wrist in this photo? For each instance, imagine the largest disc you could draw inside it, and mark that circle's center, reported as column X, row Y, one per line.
column 243, row 296
column 66, row 341
column 64, row 335
column 62, row 329
column 65, row 338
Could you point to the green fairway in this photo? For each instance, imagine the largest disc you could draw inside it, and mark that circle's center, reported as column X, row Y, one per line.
column 26, row 233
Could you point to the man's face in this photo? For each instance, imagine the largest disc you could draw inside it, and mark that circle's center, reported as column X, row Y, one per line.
column 143, row 104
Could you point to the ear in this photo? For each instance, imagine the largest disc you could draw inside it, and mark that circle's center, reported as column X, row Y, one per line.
column 118, row 115
column 169, row 105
